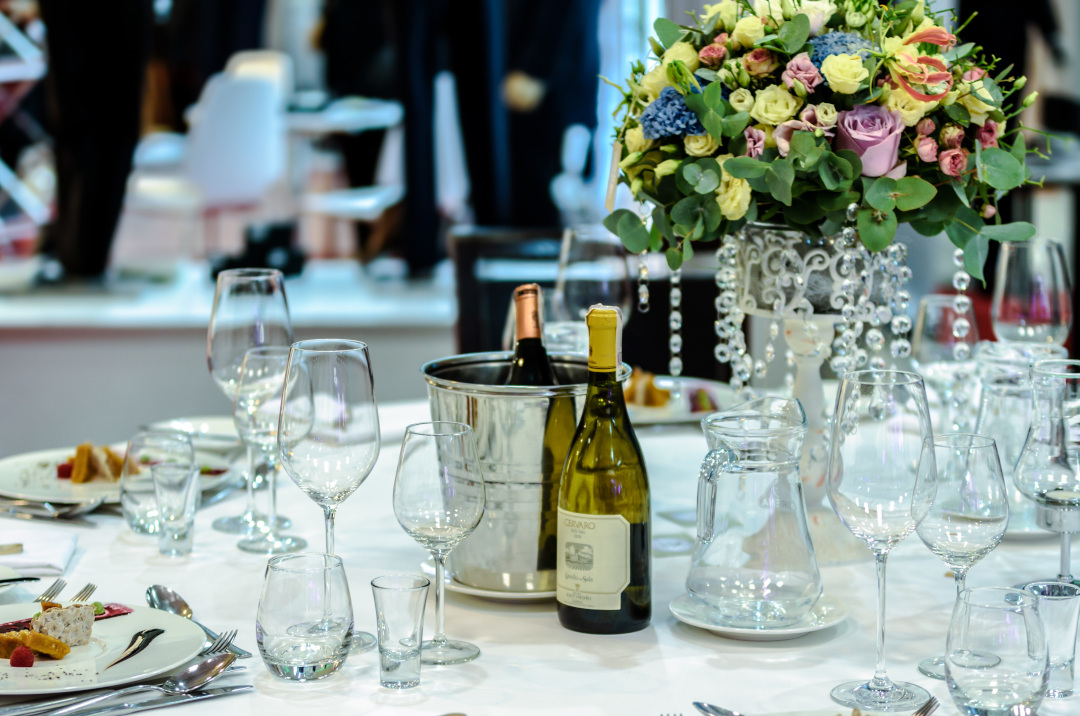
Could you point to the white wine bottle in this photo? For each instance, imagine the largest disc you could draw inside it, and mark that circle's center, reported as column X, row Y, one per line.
column 603, row 570
column 531, row 364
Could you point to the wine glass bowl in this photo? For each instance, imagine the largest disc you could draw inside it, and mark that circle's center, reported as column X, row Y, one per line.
column 1032, row 295
column 439, row 499
column 593, row 268
column 943, row 343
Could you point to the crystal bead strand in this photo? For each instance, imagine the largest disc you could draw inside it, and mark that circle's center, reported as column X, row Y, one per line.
column 731, row 343
column 643, row 284
column 961, row 329
column 675, row 365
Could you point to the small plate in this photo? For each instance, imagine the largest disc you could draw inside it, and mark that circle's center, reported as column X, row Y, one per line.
column 826, row 613
column 680, row 409
column 452, row 585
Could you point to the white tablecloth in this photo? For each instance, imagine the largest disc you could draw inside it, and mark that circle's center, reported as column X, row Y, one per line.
column 529, row 664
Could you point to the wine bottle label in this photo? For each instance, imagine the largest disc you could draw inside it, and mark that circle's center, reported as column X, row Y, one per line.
column 594, row 560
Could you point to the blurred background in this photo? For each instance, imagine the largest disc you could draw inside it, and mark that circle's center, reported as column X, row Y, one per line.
column 406, row 164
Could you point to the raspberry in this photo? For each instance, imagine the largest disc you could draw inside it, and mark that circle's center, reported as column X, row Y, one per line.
column 22, row 656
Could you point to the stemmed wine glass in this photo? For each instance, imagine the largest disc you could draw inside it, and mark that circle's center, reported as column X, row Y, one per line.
column 328, row 429
column 250, row 310
column 255, row 412
column 961, row 508
column 880, row 423
column 439, row 500
column 1032, row 297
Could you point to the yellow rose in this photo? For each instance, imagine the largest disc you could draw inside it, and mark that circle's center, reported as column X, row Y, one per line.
column 975, row 106
column 654, row 82
column 826, row 114
column 682, row 51
column 748, row 31
column 774, row 105
column 844, row 73
column 769, row 141
column 728, row 11
column 950, row 98
column 635, row 140
column 733, row 195
column 742, row 100
column 911, row 110
column 700, row 145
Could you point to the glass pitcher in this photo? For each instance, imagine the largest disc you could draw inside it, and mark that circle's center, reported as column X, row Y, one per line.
column 754, row 563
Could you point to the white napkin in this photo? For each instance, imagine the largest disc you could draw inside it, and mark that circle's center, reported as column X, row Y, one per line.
column 42, row 555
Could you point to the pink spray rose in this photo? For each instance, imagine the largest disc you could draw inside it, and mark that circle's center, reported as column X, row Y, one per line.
column 926, row 148
column 755, row 142
column 759, row 62
column 925, row 127
column 873, row 133
column 953, row 161
column 712, row 55
column 802, row 69
column 975, row 73
column 987, row 134
column 951, row 136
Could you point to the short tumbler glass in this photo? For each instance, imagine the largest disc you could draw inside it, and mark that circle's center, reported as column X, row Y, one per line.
column 176, row 489
column 1059, row 607
column 399, row 609
column 305, row 617
column 145, row 449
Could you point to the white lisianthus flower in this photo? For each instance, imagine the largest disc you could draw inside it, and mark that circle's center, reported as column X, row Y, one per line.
column 733, row 195
column 978, row 109
column 827, row 114
column 774, row 105
column 818, row 12
column 636, row 141
column 911, row 110
column 748, row 31
column 682, row 51
column 654, row 82
column 844, row 73
column 700, row 145
column 742, row 100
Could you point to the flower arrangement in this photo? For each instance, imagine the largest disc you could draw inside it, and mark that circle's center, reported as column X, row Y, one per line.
column 792, row 111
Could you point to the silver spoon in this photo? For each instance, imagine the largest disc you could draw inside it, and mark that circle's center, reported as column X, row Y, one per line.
column 711, row 710
column 195, row 676
column 165, row 599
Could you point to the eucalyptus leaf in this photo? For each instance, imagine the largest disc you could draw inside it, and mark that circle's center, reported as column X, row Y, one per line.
column 1001, row 169
column 674, row 258
column 1016, row 231
column 913, row 192
column 713, row 217
column 794, row 34
column 708, row 183
column 876, row 228
column 710, row 117
column 989, row 92
column 628, row 227
column 958, row 52
column 733, row 125
column 685, row 212
column 965, row 226
column 927, row 228
column 881, row 194
column 668, row 32
column 960, row 192
column 779, row 177
column 959, row 114
column 745, row 167
column 852, row 160
column 975, row 252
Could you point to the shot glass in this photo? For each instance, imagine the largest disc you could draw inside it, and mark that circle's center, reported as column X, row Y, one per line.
column 176, row 489
column 305, row 618
column 1059, row 607
column 146, row 449
column 399, row 610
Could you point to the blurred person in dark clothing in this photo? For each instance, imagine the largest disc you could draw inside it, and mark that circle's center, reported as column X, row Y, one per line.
column 93, row 96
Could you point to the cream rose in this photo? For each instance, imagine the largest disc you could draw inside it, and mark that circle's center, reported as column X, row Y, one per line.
column 728, row 11
column 636, row 141
column 826, row 114
column 733, row 195
column 844, row 73
column 911, row 110
column 978, row 109
column 774, row 105
column 742, row 100
column 748, row 31
column 654, row 82
column 700, row 145
column 682, row 51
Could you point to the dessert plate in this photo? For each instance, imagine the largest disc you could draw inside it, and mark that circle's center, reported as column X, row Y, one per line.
column 452, row 585
column 826, row 613
column 84, row 668
column 683, row 406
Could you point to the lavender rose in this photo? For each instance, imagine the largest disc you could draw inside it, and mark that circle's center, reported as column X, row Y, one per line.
column 873, row 133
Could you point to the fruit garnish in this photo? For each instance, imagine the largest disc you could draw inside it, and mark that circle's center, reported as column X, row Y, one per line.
column 207, row 470
column 22, row 656
column 63, row 470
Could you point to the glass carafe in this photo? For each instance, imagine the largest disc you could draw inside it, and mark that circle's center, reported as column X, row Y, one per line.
column 754, row 563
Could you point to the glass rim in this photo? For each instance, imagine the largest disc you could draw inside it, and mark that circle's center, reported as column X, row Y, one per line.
column 268, row 350
column 433, row 432
column 980, row 597
column 328, row 345
column 420, row 581
column 161, row 432
column 974, row 441
column 251, row 273
column 277, row 562
column 906, row 377
column 1027, row 588
column 1055, row 368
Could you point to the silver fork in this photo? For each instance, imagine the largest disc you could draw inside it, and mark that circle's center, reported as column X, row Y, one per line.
column 928, row 708
column 83, row 594
column 50, row 593
column 222, row 643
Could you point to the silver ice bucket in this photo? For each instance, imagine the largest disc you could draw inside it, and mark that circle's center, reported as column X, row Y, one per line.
column 513, row 548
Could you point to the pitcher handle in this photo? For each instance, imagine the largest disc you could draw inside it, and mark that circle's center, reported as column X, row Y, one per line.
column 706, row 496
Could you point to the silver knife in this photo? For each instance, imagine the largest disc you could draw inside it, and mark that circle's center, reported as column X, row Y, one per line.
column 163, row 701
column 16, row 514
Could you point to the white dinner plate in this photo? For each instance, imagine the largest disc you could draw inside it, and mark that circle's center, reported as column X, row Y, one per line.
column 826, row 613
column 452, row 585
column 9, row 573
column 682, row 409
column 213, row 433
column 84, row 668
column 32, row 476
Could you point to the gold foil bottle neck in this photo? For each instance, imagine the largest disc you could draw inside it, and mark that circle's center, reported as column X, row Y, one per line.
column 605, row 338
column 527, row 305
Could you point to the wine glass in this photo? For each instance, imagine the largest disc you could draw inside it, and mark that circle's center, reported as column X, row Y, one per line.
column 961, row 508
column 880, row 423
column 1032, row 295
column 250, row 310
column 439, row 500
column 255, row 412
column 328, row 428
column 941, row 351
column 593, row 268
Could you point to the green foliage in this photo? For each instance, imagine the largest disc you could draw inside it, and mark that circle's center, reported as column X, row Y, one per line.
column 628, row 227
column 876, row 228
column 668, row 32
column 1000, row 169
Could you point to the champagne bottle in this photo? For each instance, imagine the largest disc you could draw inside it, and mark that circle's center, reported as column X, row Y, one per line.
column 603, row 572
column 531, row 365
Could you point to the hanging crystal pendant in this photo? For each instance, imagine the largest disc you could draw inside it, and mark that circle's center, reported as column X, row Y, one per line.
column 675, row 365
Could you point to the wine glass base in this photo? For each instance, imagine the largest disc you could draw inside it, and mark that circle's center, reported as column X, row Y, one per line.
column 362, row 641
column 934, row 667
column 902, row 696
column 268, row 543
column 241, row 524
column 280, row 522
column 445, row 653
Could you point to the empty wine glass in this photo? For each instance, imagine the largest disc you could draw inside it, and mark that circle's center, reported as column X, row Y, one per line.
column 881, row 422
column 255, row 412
column 593, row 268
column 250, row 310
column 961, row 508
column 941, row 353
column 328, row 429
column 439, row 500
column 1032, row 295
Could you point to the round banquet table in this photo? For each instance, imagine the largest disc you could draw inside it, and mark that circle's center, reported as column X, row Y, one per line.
column 529, row 664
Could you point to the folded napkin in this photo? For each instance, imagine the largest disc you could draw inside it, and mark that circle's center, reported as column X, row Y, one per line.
column 42, row 555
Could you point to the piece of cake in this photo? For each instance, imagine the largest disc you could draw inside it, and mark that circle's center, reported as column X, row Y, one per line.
column 71, row 625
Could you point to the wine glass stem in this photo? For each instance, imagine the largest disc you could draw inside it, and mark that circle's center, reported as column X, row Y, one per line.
column 960, row 577
column 328, row 514
column 251, row 487
column 440, row 596
column 271, row 484
column 881, row 679
column 1066, row 555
